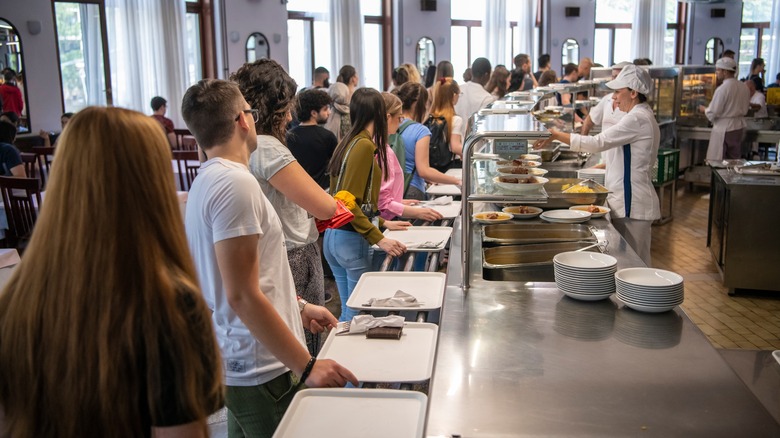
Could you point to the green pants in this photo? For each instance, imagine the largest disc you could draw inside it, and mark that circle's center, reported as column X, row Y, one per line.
column 256, row 411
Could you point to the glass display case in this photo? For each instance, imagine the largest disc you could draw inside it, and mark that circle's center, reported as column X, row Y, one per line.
column 600, row 76
column 696, row 85
column 664, row 93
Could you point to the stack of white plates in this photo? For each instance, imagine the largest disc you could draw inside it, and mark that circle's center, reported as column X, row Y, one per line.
column 594, row 174
column 587, row 276
column 649, row 290
column 565, row 216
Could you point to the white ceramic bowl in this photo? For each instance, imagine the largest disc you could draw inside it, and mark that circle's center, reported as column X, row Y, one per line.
column 602, row 210
column 521, row 187
column 532, row 211
column 531, row 157
column 585, row 260
column 649, row 277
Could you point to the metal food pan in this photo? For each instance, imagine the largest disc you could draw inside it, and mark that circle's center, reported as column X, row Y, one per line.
column 511, row 256
column 557, row 199
column 518, row 234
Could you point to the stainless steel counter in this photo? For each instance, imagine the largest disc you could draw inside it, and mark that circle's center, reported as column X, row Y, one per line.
column 520, row 359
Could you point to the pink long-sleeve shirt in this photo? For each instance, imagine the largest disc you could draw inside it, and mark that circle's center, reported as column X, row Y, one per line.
column 391, row 192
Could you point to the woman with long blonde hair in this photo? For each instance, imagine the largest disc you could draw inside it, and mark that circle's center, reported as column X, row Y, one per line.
column 103, row 330
column 446, row 95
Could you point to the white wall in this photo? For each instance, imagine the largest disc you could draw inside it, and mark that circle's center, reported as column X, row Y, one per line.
column 413, row 24
column 39, row 60
column 243, row 17
column 703, row 27
column 560, row 27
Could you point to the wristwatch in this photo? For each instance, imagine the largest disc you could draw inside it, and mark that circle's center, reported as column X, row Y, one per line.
column 301, row 304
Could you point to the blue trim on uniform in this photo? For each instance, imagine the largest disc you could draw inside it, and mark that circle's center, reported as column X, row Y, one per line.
column 627, row 178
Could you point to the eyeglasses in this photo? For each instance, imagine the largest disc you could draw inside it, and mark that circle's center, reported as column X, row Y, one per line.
column 255, row 114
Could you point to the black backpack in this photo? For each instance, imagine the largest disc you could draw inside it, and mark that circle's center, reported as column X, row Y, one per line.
column 439, row 155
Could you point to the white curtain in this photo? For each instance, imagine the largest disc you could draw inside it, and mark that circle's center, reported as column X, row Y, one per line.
column 92, row 48
column 146, row 42
column 346, row 36
column 773, row 63
column 526, row 27
column 648, row 31
column 496, row 27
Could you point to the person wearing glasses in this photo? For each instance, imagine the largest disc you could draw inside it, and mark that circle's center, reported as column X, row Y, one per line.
column 237, row 242
column 295, row 196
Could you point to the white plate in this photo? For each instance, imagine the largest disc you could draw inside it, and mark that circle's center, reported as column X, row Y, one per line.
column 601, row 213
column 649, row 277
column 648, row 309
column 409, row 359
column 585, row 260
column 567, row 216
column 535, row 211
column 532, row 171
column 427, row 287
column 481, row 217
column 776, row 355
column 586, row 297
column 522, row 187
column 414, row 236
column 354, row 413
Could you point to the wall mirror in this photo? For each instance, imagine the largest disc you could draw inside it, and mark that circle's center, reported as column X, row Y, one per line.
column 570, row 52
column 11, row 57
column 426, row 54
column 257, row 47
column 713, row 50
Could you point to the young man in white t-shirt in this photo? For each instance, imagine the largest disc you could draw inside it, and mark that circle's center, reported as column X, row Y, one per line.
column 237, row 244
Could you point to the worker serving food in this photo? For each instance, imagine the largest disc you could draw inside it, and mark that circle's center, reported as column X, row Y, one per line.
column 633, row 144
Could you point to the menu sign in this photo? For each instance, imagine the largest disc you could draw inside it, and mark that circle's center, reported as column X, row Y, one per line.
column 510, row 147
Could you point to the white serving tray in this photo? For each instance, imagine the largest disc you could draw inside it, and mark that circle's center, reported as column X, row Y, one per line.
column 354, row 413
column 415, row 236
column 448, row 211
column 427, row 287
column 443, row 189
column 407, row 360
column 457, row 173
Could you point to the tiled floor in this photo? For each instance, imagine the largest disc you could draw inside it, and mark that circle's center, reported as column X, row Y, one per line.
column 738, row 322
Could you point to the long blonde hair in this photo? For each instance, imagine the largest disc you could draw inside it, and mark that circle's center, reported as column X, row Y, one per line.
column 104, row 313
column 444, row 91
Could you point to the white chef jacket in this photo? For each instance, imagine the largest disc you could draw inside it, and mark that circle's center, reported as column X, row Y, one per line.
column 603, row 115
column 473, row 97
column 633, row 144
column 727, row 110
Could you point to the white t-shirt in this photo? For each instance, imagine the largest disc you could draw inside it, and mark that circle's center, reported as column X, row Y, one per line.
column 225, row 201
column 270, row 157
column 629, row 175
column 458, row 127
column 759, row 99
column 473, row 97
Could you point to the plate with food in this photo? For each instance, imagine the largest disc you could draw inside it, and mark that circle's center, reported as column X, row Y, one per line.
column 519, row 163
column 492, row 217
column 523, row 211
column 520, row 185
column 518, row 171
column 530, row 157
column 548, row 114
column 594, row 210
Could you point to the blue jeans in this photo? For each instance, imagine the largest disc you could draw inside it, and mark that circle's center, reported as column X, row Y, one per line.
column 347, row 255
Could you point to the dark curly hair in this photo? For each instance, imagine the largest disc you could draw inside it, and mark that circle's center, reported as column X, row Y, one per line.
column 269, row 89
column 311, row 100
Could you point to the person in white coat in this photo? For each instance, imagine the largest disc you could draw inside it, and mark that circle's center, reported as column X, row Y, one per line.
column 727, row 112
column 633, row 144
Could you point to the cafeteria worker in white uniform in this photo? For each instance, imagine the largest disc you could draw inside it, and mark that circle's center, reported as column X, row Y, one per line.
column 633, row 148
column 727, row 110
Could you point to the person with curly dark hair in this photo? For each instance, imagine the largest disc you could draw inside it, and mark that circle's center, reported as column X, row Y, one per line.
column 295, row 196
column 310, row 143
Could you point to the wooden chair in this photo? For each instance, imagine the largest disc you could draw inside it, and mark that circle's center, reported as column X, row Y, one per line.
column 188, row 170
column 184, row 140
column 30, row 161
column 21, row 199
column 44, row 156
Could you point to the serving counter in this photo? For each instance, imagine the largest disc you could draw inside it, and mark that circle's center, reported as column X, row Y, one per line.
column 521, row 359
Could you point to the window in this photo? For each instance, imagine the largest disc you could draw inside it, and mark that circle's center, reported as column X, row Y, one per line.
column 670, row 37
column 754, row 39
column 372, row 43
column 612, row 40
column 199, row 42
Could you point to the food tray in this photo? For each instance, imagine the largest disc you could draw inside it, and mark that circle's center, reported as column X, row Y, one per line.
column 407, row 360
column 427, row 287
column 413, row 237
column 354, row 413
column 443, row 189
column 447, row 211
column 518, row 234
